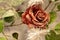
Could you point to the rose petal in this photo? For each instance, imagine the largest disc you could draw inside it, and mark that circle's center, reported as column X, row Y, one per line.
column 36, row 23
column 28, row 17
column 47, row 17
column 31, row 14
column 23, row 18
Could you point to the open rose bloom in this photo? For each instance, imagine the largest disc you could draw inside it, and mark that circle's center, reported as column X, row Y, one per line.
column 35, row 17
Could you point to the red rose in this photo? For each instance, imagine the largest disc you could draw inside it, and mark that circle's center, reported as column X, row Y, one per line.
column 34, row 16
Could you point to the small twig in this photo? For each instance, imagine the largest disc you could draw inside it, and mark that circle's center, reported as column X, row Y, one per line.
column 55, row 6
column 4, row 35
column 15, row 25
column 12, row 23
column 48, row 5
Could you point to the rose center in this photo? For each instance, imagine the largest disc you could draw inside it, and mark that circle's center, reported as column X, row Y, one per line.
column 40, row 17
